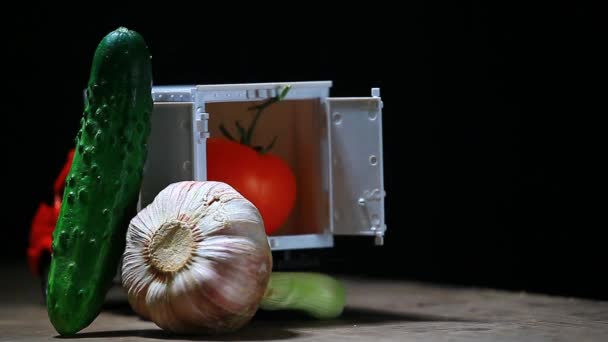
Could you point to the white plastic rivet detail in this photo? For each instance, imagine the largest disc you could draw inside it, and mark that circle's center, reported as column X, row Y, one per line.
column 337, row 118
column 376, row 194
column 373, row 160
column 172, row 96
column 181, row 97
column 160, row 96
column 375, row 220
column 372, row 115
column 361, row 201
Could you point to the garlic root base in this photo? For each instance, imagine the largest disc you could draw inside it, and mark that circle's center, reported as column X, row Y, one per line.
column 197, row 259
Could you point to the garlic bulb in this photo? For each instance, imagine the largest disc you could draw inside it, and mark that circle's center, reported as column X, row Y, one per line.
column 197, row 259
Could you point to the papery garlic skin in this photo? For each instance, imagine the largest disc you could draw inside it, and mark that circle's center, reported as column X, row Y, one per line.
column 197, row 259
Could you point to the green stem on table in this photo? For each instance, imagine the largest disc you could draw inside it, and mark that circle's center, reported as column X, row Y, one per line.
column 318, row 295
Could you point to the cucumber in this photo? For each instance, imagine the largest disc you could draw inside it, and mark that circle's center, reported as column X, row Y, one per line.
column 103, row 183
column 317, row 295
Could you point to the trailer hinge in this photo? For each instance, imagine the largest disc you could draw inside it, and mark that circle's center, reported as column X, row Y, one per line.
column 202, row 124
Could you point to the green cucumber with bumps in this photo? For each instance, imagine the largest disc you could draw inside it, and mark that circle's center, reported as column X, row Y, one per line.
column 103, row 184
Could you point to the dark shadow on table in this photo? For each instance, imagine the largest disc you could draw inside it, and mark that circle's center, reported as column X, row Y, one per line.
column 248, row 333
column 351, row 316
column 264, row 324
column 118, row 307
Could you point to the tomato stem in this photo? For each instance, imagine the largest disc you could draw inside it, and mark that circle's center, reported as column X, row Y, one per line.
column 246, row 137
column 226, row 132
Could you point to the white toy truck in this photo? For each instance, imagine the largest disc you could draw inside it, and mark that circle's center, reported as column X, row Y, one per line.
column 334, row 146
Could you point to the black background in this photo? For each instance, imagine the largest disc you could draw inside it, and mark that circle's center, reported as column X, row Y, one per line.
column 491, row 121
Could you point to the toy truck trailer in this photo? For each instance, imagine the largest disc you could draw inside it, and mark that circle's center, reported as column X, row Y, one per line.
column 333, row 145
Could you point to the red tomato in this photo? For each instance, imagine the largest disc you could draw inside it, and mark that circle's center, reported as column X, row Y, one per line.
column 264, row 179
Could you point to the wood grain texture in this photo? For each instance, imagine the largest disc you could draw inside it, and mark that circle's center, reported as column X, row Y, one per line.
column 376, row 311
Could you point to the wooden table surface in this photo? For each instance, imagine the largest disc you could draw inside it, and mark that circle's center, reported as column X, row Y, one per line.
column 377, row 311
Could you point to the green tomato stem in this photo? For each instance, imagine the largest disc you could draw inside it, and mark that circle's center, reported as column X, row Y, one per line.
column 249, row 135
column 246, row 136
